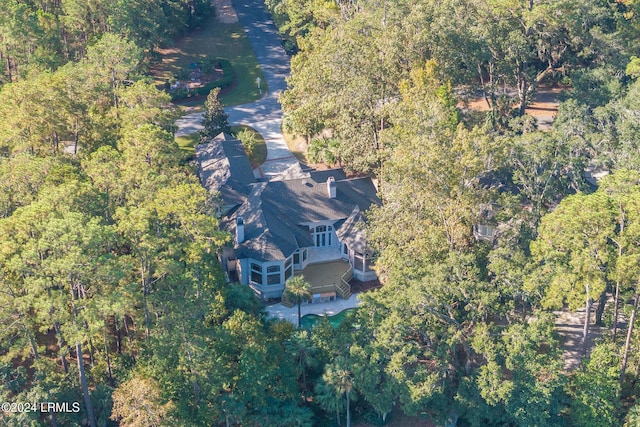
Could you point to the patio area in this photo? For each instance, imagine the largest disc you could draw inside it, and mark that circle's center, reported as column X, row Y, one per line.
column 332, row 308
column 321, row 255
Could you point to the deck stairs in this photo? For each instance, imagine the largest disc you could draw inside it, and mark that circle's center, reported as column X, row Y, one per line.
column 287, row 301
column 343, row 288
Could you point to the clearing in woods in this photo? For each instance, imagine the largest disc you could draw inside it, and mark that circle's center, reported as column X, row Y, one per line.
column 222, row 37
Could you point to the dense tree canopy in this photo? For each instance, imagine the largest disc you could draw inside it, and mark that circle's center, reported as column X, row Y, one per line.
column 112, row 294
column 462, row 329
column 39, row 36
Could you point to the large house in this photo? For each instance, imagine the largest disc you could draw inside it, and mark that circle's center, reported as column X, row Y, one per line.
column 310, row 224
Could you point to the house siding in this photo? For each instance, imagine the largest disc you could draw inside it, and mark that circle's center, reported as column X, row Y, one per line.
column 244, row 271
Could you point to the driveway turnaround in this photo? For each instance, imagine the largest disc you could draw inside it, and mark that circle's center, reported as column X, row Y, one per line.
column 264, row 115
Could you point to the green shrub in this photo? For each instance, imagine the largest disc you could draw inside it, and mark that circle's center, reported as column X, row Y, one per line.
column 183, row 74
column 248, row 139
column 179, row 93
column 326, row 150
column 228, row 75
column 314, row 151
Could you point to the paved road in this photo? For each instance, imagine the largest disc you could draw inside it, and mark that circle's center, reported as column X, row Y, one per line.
column 264, row 115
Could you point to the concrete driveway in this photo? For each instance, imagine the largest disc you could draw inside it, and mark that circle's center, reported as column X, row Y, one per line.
column 264, row 115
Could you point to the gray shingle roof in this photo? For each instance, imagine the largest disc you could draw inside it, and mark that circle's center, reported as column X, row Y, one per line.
column 225, row 168
column 306, row 199
column 352, row 233
column 274, row 212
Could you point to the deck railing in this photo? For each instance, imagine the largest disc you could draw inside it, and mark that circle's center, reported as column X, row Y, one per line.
column 322, row 289
column 343, row 288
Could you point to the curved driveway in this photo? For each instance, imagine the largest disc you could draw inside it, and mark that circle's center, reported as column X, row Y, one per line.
column 264, row 115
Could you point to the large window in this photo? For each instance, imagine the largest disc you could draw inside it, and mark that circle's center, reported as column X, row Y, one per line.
column 256, row 273
column 273, row 275
column 288, row 269
column 322, row 235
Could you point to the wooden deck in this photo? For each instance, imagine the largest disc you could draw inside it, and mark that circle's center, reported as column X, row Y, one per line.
column 325, row 276
column 327, row 279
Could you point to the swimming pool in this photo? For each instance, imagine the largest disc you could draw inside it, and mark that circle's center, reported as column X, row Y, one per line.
column 308, row 320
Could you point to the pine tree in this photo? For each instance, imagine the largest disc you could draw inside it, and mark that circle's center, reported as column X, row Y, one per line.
column 215, row 119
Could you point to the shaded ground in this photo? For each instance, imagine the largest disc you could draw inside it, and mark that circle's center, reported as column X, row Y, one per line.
column 297, row 145
column 569, row 326
column 398, row 419
column 357, row 286
column 544, row 106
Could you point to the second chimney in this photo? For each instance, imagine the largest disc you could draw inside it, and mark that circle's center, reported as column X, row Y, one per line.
column 331, row 187
column 239, row 230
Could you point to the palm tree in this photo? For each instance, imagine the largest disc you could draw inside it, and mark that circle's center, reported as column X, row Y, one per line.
column 298, row 290
column 329, row 399
column 304, row 351
column 340, row 379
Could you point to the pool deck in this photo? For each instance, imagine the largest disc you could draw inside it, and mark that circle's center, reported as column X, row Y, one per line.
column 332, row 308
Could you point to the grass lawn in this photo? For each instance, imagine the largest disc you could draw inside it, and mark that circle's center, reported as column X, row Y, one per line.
column 215, row 40
column 259, row 154
column 188, row 143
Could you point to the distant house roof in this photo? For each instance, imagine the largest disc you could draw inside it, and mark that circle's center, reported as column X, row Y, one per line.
column 276, row 213
column 224, row 168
